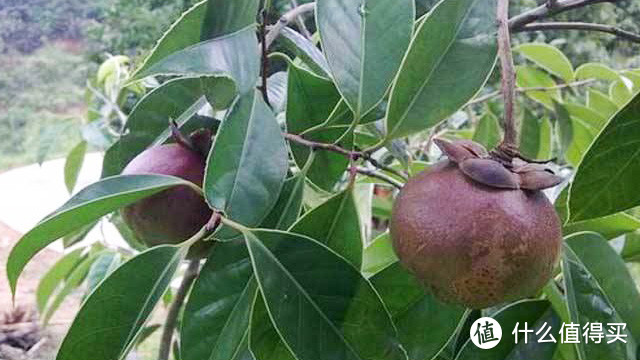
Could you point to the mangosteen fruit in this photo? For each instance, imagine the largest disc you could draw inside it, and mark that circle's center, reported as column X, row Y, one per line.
column 476, row 229
column 173, row 215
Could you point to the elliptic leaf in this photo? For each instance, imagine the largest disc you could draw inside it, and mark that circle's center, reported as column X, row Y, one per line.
column 364, row 42
column 248, row 163
column 412, row 308
column 305, row 283
column 530, row 77
column 378, row 255
column 336, row 224
column 606, row 181
column 55, row 276
column 596, row 71
column 487, row 131
column 234, row 55
column 73, row 164
column 597, row 271
column 264, row 341
column 601, row 103
column 599, row 290
column 85, row 207
column 310, row 100
column 450, row 58
column 306, row 51
column 216, row 317
column 286, row 210
column 535, row 313
column 549, row 58
column 114, row 314
column 609, row 227
column 225, row 17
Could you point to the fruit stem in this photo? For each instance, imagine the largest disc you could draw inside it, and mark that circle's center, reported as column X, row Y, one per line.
column 509, row 143
column 179, row 137
column 189, row 277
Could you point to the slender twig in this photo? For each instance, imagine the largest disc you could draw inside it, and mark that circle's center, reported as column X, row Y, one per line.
column 300, row 22
column 545, row 10
column 497, row 93
column 355, row 155
column 172, row 317
column 264, row 56
column 510, row 140
column 622, row 34
column 285, row 19
column 370, row 173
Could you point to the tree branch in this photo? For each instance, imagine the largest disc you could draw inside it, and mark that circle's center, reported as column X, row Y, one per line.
column 549, row 9
column 172, row 317
column 355, row 155
column 264, row 68
column 622, row 34
column 379, row 176
column 510, row 140
column 494, row 94
column 285, row 19
column 300, row 22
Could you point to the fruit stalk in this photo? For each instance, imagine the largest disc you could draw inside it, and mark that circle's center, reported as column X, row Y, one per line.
column 172, row 317
column 510, row 140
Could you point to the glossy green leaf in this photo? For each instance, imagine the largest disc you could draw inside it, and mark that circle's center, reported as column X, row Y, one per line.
column 450, row 58
column 216, row 317
column 530, row 77
column 219, row 91
column 364, row 43
column 224, row 17
column 546, row 142
column 310, row 100
column 535, row 313
column 598, row 272
column 55, row 276
column 487, row 131
column 412, row 309
column 303, row 282
column 596, row 71
column 610, row 226
column 264, row 341
column 587, row 115
column 73, row 164
column 248, row 163
column 549, row 58
column 72, row 282
column 149, row 119
column 286, row 210
column 336, row 224
column 599, row 290
column 619, row 93
column 564, row 126
column 605, row 183
column 601, row 103
column 86, row 206
column 631, row 249
column 277, row 91
column 327, row 167
column 234, row 55
column 184, row 32
column 78, row 235
column 530, row 135
column 114, row 314
column 378, row 255
column 205, row 20
column 102, row 267
column 583, row 134
column 306, row 51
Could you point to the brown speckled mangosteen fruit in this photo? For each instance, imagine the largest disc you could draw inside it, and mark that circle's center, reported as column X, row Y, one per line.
column 480, row 236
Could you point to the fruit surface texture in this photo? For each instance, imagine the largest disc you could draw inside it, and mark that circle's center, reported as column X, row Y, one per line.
column 473, row 244
column 174, row 215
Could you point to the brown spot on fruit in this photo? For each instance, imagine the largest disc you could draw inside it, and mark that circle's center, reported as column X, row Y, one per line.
column 474, row 244
column 176, row 214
